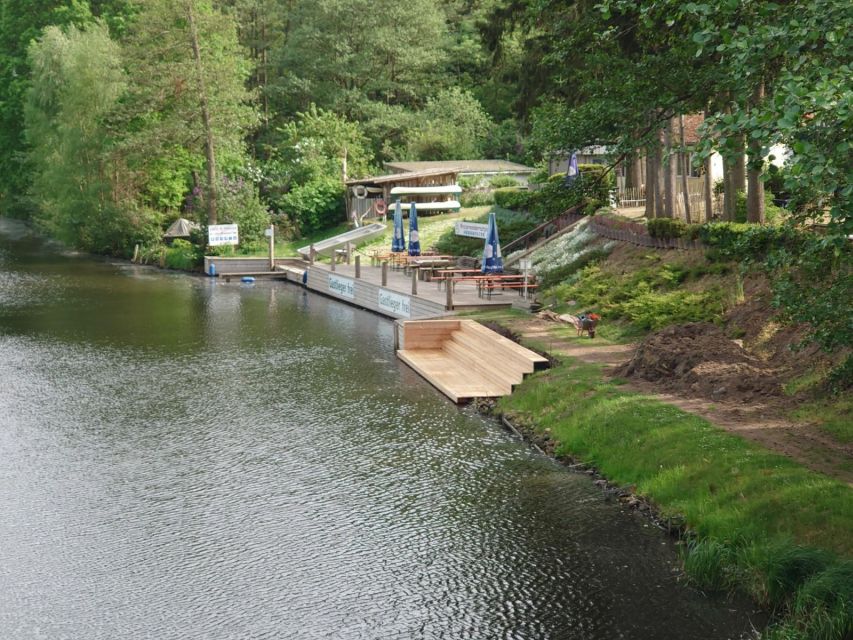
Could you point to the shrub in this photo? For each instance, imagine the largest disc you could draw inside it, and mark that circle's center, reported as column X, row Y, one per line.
column 182, row 255
column 666, row 228
column 499, row 182
column 238, row 203
column 513, row 198
column 477, row 199
column 566, row 271
column 317, row 204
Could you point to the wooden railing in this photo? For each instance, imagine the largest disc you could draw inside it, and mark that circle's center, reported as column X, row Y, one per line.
column 548, row 228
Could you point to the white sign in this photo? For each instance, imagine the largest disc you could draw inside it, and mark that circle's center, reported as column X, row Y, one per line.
column 344, row 287
column 219, row 234
column 471, row 229
column 395, row 303
column 525, row 264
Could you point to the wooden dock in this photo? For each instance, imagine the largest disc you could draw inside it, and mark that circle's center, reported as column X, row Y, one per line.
column 392, row 293
column 465, row 360
column 402, row 295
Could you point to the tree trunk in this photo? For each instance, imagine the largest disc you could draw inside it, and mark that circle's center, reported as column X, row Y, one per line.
column 209, row 147
column 740, row 166
column 651, row 175
column 730, row 199
column 659, row 205
column 633, row 179
column 755, row 186
column 669, row 210
column 685, row 169
column 708, row 190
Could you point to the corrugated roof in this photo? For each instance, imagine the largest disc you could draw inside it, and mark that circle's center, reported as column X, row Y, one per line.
column 463, row 166
column 409, row 175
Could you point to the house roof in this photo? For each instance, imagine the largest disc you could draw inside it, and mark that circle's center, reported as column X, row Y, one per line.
column 409, row 175
column 462, row 166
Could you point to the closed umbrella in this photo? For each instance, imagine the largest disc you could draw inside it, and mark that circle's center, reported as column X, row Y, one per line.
column 572, row 172
column 398, row 242
column 492, row 260
column 414, row 240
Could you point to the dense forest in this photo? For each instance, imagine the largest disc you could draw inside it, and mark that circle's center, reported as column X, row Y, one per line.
column 118, row 115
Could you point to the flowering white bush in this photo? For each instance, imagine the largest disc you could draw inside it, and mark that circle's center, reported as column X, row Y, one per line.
column 564, row 249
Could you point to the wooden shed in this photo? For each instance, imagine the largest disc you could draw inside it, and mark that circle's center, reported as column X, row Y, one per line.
column 372, row 197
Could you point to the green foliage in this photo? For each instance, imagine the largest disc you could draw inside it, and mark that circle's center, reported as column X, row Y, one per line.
column 813, row 284
column 239, row 204
column 666, row 228
column 511, row 225
column 648, row 298
column 499, row 182
column 477, row 198
column 453, row 126
column 182, row 255
column 77, row 81
column 513, row 198
column 562, row 273
column 316, row 204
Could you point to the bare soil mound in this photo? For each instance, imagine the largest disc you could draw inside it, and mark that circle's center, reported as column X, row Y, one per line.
column 699, row 359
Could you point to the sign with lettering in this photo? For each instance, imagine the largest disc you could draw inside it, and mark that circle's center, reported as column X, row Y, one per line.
column 471, row 229
column 395, row 303
column 344, row 287
column 220, row 234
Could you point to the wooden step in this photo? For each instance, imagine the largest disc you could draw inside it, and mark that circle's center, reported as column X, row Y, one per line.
column 465, row 360
column 444, row 372
column 493, row 350
column 470, row 360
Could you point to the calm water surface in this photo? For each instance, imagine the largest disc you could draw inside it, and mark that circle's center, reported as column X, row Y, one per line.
column 187, row 459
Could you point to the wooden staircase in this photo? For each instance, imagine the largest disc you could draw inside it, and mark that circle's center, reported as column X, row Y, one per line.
column 464, row 359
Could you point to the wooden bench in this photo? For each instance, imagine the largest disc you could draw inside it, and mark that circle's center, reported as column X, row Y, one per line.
column 488, row 289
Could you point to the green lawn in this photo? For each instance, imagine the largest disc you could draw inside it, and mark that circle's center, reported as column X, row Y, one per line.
column 762, row 522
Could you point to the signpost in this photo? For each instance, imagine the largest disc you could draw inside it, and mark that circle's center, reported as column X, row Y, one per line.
column 525, row 264
column 471, row 229
column 222, row 234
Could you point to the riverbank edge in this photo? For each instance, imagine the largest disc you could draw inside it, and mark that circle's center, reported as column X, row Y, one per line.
column 782, row 586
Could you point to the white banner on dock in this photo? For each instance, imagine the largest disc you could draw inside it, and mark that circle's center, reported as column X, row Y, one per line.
column 219, row 234
column 395, row 303
column 471, row 229
column 344, row 287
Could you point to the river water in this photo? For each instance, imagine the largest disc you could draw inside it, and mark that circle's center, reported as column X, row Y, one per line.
column 182, row 458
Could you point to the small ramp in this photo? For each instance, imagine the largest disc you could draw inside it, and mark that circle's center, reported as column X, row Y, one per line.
column 355, row 236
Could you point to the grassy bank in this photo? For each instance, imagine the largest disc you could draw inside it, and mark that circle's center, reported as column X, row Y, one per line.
column 756, row 521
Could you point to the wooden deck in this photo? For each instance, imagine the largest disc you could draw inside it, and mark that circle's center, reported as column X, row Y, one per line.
column 396, row 299
column 464, row 359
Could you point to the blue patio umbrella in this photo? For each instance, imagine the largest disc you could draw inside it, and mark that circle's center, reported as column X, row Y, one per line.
column 398, row 242
column 492, row 260
column 414, row 240
column 572, row 172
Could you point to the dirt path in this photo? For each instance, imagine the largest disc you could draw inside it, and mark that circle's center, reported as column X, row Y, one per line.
column 761, row 422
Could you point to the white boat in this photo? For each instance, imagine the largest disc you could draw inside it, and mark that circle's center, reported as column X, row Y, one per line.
column 439, row 190
column 355, row 236
column 426, row 206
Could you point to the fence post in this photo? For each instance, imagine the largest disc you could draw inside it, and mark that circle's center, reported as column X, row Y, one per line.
column 384, row 273
column 358, row 266
column 312, row 253
column 448, row 285
column 414, row 281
